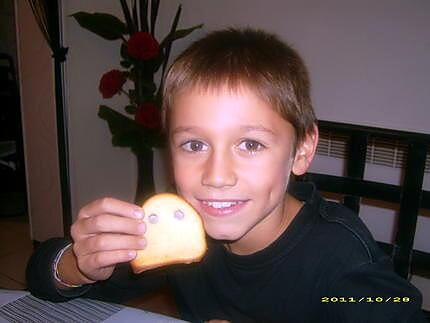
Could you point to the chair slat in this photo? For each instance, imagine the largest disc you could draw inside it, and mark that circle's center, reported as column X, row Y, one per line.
column 409, row 195
column 409, row 206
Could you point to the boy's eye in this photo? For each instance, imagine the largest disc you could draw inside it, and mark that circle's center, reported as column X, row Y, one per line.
column 250, row 146
column 194, row 146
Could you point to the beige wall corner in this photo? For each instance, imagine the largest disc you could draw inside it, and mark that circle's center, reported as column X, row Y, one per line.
column 39, row 124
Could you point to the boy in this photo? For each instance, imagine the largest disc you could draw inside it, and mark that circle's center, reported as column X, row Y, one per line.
column 239, row 120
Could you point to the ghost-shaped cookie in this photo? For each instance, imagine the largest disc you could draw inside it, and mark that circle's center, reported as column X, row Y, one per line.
column 174, row 233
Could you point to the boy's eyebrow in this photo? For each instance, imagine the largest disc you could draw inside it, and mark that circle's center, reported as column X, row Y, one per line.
column 243, row 128
column 257, row 128
column 182, row 129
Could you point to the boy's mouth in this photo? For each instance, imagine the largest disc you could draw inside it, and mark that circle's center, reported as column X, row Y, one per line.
column 221, row 207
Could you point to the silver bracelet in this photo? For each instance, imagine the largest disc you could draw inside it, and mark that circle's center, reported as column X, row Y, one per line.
column 55, row 268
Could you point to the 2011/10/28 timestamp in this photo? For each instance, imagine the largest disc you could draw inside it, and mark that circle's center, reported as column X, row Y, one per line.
column 364, row 299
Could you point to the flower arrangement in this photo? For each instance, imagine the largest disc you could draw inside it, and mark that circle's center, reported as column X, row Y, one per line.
column 142, row 56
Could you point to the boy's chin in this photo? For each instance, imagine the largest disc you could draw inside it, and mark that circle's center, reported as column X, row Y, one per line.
column 223, row 235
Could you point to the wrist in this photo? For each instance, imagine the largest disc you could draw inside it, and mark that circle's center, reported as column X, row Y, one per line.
column 66, row 270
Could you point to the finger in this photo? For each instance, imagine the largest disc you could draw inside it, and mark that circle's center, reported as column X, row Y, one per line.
column 108, row 223
column 104, row 259
column 108, row 242
column 112, row 206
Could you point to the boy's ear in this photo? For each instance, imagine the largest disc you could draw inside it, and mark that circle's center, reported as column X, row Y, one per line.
column 305, row 152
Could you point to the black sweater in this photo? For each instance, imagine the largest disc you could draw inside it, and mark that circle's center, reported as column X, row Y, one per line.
column 325, row 267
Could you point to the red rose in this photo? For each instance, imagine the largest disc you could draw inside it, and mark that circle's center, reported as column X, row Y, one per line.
column 142, row 45
column 111, row 83
column 148, row 115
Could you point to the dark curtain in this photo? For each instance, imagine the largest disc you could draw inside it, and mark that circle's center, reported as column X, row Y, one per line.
column 47, row 14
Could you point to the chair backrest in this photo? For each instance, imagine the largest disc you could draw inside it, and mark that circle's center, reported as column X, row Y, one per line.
column 409, row 195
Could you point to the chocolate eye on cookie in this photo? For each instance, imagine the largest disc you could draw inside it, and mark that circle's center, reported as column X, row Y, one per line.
column 177, row 235
column 153, row 218
column 179, row 214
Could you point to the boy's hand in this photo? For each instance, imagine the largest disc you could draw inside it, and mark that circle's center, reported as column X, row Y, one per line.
column 107, row 232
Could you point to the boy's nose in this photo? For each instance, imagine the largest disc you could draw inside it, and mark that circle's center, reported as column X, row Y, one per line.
column 219, row 171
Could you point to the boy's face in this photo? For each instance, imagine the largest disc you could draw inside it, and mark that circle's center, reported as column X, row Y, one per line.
column 232, row 155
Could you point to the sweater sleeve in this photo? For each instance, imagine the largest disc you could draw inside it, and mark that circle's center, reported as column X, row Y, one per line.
column 40, row 273
column 122, row 286
column 372, row 292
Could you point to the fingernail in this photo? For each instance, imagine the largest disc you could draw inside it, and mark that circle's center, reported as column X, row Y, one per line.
column 141, row 228
column 132, row 254
column 138, row 213
column 142, row 242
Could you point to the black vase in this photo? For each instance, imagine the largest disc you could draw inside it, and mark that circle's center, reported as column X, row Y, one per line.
column 145, row 175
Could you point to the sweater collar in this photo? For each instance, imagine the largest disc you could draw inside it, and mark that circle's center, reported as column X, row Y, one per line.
column 293, row 234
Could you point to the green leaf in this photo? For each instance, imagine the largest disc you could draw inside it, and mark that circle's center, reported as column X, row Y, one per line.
column 122, row 128
column 167, row 50
column 147, row 91
column 154, row 13
column 176, row 19
column 167, row 44
column 127, row 133
column 135, row 18
column 104, row 25
column 130, row 109
column 130, row 24
column 178, row 34
column 124, row 52
column 157, row 62
column 143, row 13
column 125, row 63
column 132, row 95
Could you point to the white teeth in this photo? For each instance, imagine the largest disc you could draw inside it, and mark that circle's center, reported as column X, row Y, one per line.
column 219, row 205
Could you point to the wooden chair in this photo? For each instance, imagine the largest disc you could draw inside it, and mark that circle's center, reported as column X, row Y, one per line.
column 409, row 195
